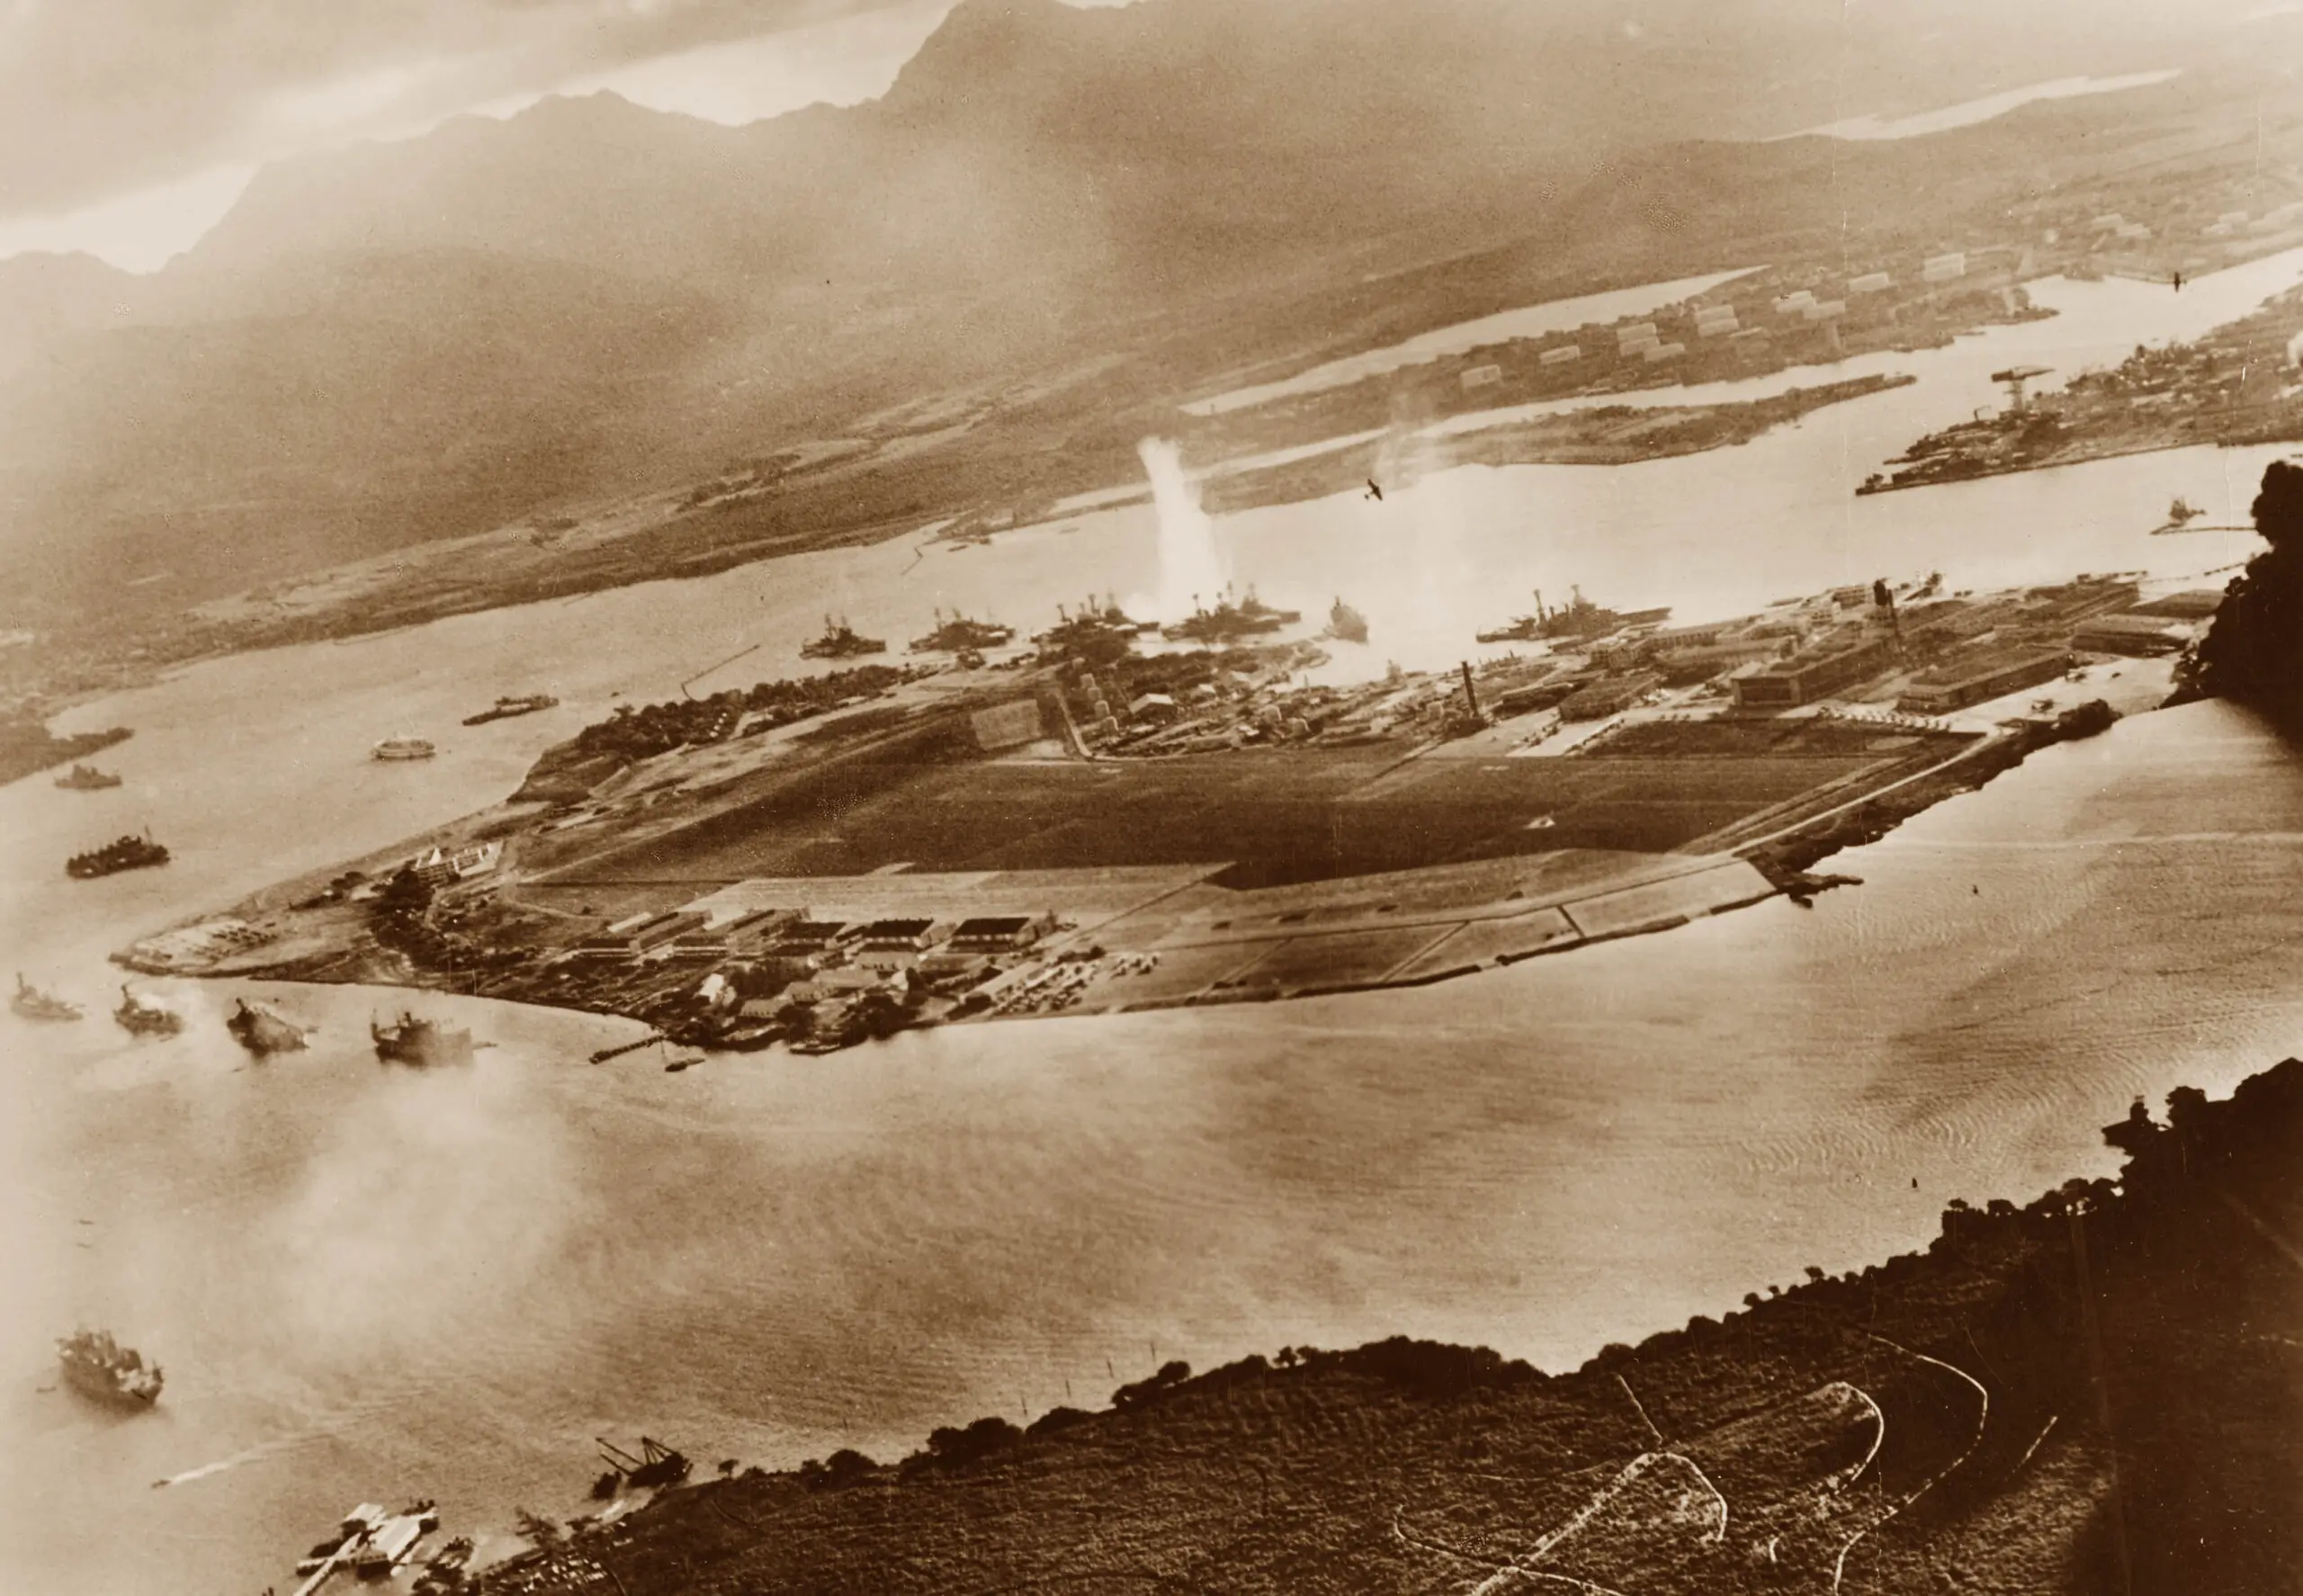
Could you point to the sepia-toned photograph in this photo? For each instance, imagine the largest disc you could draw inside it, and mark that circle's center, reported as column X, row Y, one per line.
column 1141, row 797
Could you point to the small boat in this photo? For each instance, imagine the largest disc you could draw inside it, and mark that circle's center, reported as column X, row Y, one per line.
column 2181, row 513
column 139, row 1018
column 676, row 1065
column 505, row 708
column 420, row 1042
column 261, row 1031
column 87, row 778
column 402, row 748
column 32, row 1003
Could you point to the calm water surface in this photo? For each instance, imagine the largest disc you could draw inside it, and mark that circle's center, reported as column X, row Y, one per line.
column 369, row 1284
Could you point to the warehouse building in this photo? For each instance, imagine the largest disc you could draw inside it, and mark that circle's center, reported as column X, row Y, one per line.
column 1992, row 675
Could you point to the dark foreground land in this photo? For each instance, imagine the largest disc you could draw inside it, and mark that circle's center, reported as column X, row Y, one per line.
column 2097, row 1392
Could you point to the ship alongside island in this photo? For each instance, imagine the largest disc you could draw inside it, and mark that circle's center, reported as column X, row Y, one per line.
column 422, row 1042
column 263, row 1032
column 839, row 640
column 87, row 778
column 32, row 1003
column 103, row 1370
column 126, row 853
column 958, row 634
column 1230, row 621
column 1579, row 619
column 505, row 708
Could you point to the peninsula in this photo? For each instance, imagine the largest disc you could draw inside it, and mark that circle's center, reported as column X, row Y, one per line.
column 2243, row 383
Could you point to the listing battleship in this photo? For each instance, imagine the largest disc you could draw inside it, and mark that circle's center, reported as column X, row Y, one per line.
column 127, row 853
column 87, row 778
column 526, row 704
column 139, row 1018
column 261, row 1031
column 841, row 642
column 656, row 1465
column 420, row 1042
column 101, row 1370
column 32, row 1003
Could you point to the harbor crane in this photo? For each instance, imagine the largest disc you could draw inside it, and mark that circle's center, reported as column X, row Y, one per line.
column 2014, row 380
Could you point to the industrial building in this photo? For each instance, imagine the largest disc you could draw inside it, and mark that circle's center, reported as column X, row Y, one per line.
column 1803, row 678
column 1003, row 932
column 2135, row 635
column 1608, row 696
column 1974, row 680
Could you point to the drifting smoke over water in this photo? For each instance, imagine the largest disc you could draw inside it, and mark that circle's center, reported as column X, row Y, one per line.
column 1191, row 566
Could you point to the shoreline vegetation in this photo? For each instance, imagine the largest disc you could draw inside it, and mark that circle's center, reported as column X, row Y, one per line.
column 2092, row 1390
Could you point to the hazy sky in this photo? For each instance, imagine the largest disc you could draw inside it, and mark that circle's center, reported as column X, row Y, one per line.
column 127, row 127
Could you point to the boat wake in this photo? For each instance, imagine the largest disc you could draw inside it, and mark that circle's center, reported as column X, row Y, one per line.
column 253, row 1455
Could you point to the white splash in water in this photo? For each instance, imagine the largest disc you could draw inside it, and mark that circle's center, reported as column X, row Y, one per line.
column 1190, row 564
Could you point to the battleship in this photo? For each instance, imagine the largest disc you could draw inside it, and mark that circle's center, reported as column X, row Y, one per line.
column 139, row 1018
column 32, row 1003
column 402, row 748
column 127, row 853
column 87, row 778
column 841, row 642
column 420, row 1042
column 960, row 635
column 261, row 1031
column 1229, row 622
column 100, row 1368
column 1347, row 624
column 505, row 708
column 1579, row 619
column 1099, row 626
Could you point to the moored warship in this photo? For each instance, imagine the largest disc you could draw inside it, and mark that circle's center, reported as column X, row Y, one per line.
column 1098, row 625
column 1229, row 622
column 32, row 1003
column 420, row 1042
column 139, row 1018
column 87, row 778
column 841, row 642
column 1347, row 624
column 261, row 1031
column 99, row 1367
column 525, row 704
column 960, row 634
column 1577, row 618
column 127, row 853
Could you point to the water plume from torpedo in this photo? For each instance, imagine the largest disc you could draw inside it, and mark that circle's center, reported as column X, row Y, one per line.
column 1191, row 566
